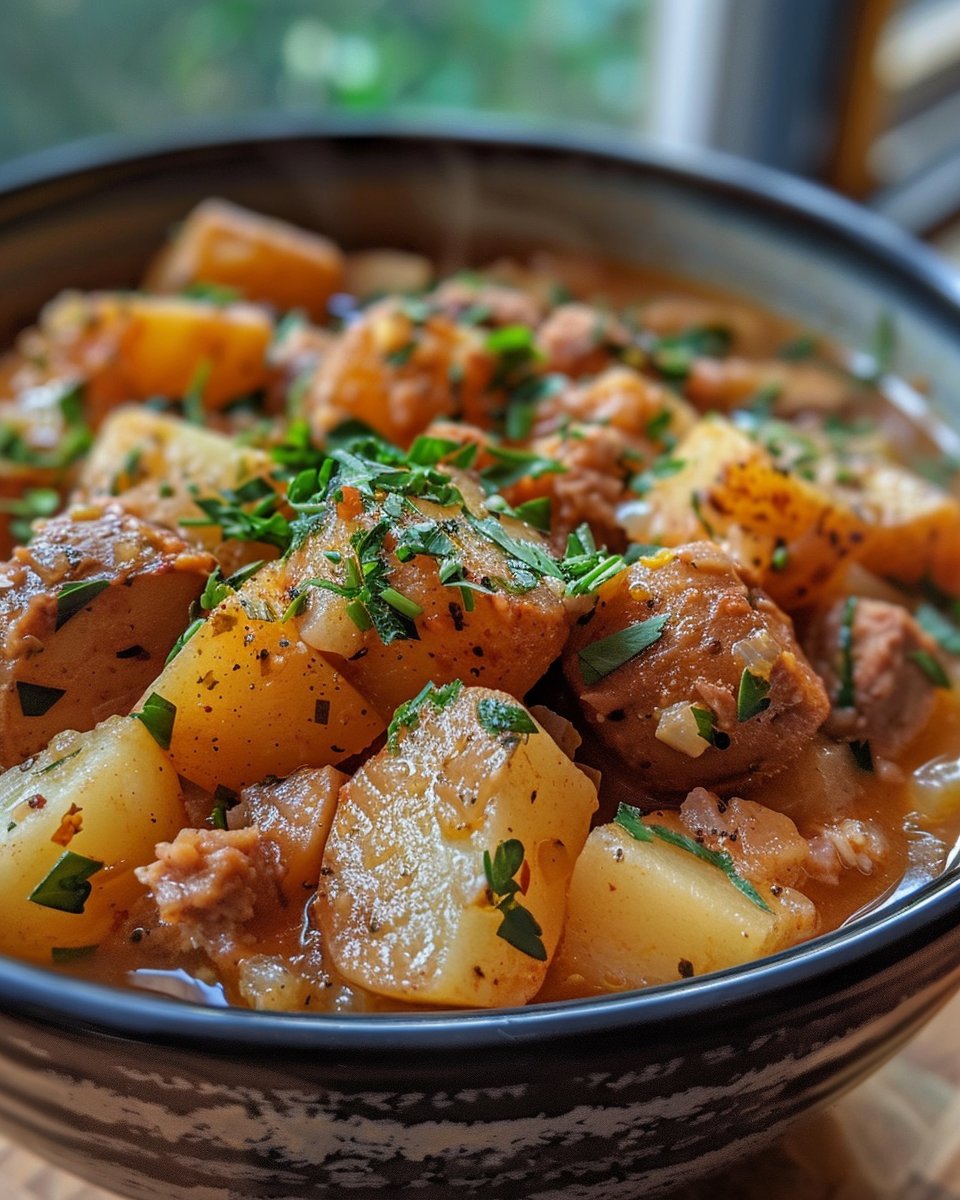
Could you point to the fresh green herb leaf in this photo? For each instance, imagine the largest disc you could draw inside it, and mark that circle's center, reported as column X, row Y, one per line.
column 605, row 656
column 158, row 715
column 407, row 715
column 193, row 397
column 73, row 597
column 930, row 667
column 184, row 637
column 752, row 695
column 661, row 468
column 631, row 819
column 65, row 887
column 224, row 799
column 518, row 926
column 27, row 508
column 511, row 466
column 529, row 553
column 943, row 631
column 403, row 604
column 706, row 727
column 402, row 355
column 697, row 506
column 497, row 717
column 37, row 700
column 674, row 355
column 214, row 293
column 59, row 762
column 536, row 513
column 780, row 558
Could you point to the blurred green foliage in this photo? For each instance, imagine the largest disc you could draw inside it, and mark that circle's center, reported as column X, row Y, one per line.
column 70, row 68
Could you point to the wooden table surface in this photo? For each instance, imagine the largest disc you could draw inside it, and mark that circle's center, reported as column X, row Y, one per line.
column 896, row 1137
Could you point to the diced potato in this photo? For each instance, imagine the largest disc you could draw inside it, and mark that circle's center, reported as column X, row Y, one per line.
column 129, row 346
column 789, row 532
column 404, row 904
column 398, row 373
column 641, row 913
column 253, row 700
column 150, row 462
column 108, row 795
column 261, row 258
column 88, row 613
column 506, row 640
column 296, row 814
column 914, row 528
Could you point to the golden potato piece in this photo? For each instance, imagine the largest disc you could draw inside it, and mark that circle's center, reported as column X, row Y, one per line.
column 151, row 462
column 253, row 700
column 641, row 913
column 129, row 346
column 259, row 257
column 85, row 812
column 406, row 906
column 88, row 614
column 788, row 532
column 914, row 528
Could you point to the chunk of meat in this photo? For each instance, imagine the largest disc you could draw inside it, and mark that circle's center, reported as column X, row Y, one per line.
column 879, row 692
column 211, row 884
column 595, row 464
column 721, row 696
column 398, row 369
column 88, row 613
column 487, row 303
column 578, row 339
column 765, row 845
column 850, row 844
column 654, row 415
column 716, row 384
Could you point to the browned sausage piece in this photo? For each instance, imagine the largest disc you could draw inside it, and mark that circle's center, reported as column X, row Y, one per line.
column 869, row 654
column 88, row 613
column 721, row 694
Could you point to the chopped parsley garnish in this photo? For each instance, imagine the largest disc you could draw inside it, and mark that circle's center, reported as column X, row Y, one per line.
column 780, row 558
column 752, row 695
column 674, row 354
column 215, row 293
column 518, row 927
column 407, row 715
column 601, row 658
column 158, row 715
column 73, row 597
column 943, row 631
column 428, row 451
column 523, row 400
column 401, row 355
column 184, row 637
column 511, row 466
column 706, row 727
column 224, row 799
column 930, row 667
column 259, row 523
column 631, row 819
column 37, row 700
column 531, row 554
column 846, row 694
column 65, row 888
column 661, row 468
column 59, row 762
column 535, row 512
column 27, row 507
column 498, row 717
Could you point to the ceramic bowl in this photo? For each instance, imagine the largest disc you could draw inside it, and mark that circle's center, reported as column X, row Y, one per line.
column 611, row 1098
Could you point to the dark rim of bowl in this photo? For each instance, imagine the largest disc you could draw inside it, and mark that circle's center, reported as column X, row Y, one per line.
column 930, row 912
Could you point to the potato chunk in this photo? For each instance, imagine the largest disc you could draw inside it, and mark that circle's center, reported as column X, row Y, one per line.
column 404, row 904
column 790, row 533
column 88, row 612
column 150, row 462
column 253, row 700
column 106, row 796
column 129, row 346
column 503, row 635
column 641, row 913
column 261, row 258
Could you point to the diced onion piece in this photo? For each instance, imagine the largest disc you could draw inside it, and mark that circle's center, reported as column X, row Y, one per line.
column 758, row 652
column 677, row 728
column 935, row 786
